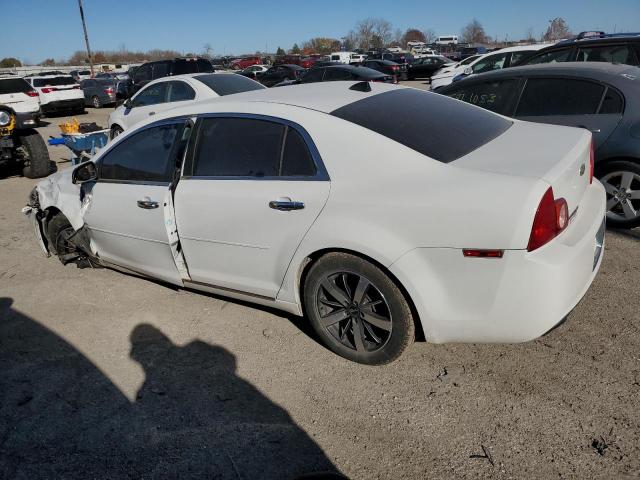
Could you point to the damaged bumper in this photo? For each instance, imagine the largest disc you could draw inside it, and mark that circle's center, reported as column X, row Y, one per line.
column 35, row 217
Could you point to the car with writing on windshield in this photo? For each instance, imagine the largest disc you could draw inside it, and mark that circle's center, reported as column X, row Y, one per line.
column 349, row 203
column 601, row 98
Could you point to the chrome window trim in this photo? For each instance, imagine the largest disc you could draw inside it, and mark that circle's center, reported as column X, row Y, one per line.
column 321, row 172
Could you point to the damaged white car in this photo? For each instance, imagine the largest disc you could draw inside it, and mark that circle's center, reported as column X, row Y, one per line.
column 350, row 203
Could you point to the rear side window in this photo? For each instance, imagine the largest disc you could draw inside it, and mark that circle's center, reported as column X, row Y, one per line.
column 517, row 57
column 152, row 95
column 563, row 55
column 559, row 96
column 229, row 83
column 180, row 91
column 489, row 63
column 14, row 85
column 238, row 147
column 431, row 124
column 608, row 53
column 334, row 73
column 192, row 66
column 612, row 102
column 496, row 96
column 145, row 156
column 244, row 147
column 313, row 75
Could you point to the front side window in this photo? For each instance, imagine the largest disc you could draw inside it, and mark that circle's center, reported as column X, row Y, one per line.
column 143, row 157
column 245, row 147
column 492, row 62
column 608, row 53
column 179, row 92
column 142, row 74
column 496, row 96
column 517, row 57
column 151, row 95
column 559, row 96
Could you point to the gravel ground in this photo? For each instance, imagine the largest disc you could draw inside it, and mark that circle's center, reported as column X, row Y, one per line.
column 106, row 375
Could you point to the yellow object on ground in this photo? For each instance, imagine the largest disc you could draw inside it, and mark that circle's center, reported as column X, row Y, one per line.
column 70, row 127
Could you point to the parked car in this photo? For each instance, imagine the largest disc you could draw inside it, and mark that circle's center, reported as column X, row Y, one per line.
column 169, row 92
column 387, row 67
column 147, row 72
column 20, row 144
column 496, row 60
column 591, row 47
column 244, row 62
column 17, row 94
column 601, row 98
column 280, row 73
column 307, row 61
column 357, row 58
column 341, row 72
column 401, row 58
column 254, row 71
column 79, row 74
column 424, row 67
column 57, row 93
column 342, row 57
column 359, row 208
column 98, row 92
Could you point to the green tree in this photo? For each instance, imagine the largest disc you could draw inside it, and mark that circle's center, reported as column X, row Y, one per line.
column 280, row 51
column 295, row 50
column 10, row 62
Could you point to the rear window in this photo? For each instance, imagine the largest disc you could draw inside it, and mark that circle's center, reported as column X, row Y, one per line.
column 431, row 124
column 47, row 82
column 229, row 83
column 13, row 85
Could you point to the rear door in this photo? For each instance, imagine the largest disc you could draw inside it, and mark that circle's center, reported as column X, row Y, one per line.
column 574, row 102
column 250, row 191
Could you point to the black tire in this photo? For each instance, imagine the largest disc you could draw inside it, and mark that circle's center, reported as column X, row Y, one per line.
column 333, row 292
column 115, row 131
column 95, row 101
column 612, row 174
column 58, row 230
column 37, row 163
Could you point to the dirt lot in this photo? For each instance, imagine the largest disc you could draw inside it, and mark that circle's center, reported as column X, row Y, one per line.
column 105, row 375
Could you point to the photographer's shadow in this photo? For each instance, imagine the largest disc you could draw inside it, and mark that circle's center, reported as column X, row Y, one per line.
column 61, row 417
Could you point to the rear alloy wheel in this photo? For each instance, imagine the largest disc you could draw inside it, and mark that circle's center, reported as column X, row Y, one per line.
column 357, row 310
column 621, row 180
column 95, row 101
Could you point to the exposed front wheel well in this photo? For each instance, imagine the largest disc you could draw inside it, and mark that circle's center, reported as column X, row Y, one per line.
column 310, row 260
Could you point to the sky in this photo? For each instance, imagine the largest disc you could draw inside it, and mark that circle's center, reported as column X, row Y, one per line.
column 54, row 30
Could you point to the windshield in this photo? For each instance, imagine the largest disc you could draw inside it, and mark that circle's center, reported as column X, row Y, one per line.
column 229, row 83
column 467, row 61
column 47, row 82
column 13, row 85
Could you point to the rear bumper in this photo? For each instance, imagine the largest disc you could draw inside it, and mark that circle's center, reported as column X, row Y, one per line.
column 60, row 105
column 514, row 299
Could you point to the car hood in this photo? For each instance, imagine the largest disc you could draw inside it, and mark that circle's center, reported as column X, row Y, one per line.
column 448, row 72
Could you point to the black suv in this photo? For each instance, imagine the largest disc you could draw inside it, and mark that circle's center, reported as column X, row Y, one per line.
column 164, row 68
column 591, row 47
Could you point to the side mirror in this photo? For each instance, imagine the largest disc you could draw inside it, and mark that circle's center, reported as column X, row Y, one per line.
column 86, row 172
column 468, row 71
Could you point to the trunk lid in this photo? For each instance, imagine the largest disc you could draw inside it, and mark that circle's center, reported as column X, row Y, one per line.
column 558, row 155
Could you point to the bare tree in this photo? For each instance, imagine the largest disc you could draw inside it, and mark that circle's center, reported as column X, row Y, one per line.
column 373, row 33
column 383, row 30
column 412, row 35
column 473, row 32
column 429, row 35
column 557, row 30
column 529, row 37
column 207, row 49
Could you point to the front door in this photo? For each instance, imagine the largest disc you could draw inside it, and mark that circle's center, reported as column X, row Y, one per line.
column 251, row 192
column 129, row 213
column 145, row 103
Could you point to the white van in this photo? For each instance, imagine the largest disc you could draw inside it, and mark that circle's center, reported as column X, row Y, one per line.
column 447, row 40
column 342, row 57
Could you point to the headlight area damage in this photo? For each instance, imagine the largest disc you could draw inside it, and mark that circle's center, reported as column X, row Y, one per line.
column 54, row 233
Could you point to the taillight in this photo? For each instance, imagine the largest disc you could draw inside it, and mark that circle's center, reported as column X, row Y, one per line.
column 76, row 87
column 592, row 161
column 395, row 67
column 32, row 93
column 552, row 217
column 49, row 89
column 108, row 91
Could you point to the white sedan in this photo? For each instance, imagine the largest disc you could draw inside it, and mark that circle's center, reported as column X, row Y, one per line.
column 178, row 90
column 478, row 229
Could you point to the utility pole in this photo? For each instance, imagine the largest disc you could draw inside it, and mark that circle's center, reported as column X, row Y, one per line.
column 86, row 37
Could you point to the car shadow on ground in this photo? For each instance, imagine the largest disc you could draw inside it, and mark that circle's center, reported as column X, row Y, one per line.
column 61, row 417
column 629, row 233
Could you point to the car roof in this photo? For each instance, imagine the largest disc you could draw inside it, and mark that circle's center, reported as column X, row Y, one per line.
column 518, row 48
column 321, row 96
column 618, row 75
column 606, row 38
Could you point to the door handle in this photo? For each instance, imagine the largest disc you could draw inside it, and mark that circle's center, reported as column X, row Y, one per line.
column 152, row 113
column 147, row 203
column 285, row 204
